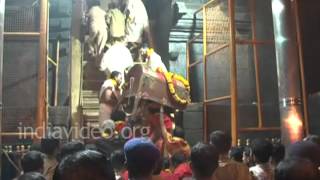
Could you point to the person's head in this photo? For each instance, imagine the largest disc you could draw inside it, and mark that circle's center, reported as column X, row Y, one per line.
column 116, row 75
column 178, row 132
column 85, row 165
column 141, row 157
column 118, row 160
column 8, row 170
column 32, row 162
column 107, row 128
column 107, row 145
column 236, row 154
column 204, row 160
column 32, row 176
column 261, row 150
column 296, row 169
column 71, row 148
column 91, row 147
column 50, row 146
column 118, row 116
column 313, row 138
column 146, row 52
column 305, row 149
column 247, row 156
column 278, row 153
column 221, row 141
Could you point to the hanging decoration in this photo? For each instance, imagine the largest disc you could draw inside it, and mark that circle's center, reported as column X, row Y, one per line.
column 170, row 77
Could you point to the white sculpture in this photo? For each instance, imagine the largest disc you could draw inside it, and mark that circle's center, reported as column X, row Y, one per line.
column 98, row 32
column 117, row 58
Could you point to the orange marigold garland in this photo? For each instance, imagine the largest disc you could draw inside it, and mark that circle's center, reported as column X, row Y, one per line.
column 169, row 78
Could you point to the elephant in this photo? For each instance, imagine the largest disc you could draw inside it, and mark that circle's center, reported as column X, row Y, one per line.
column 163, row 15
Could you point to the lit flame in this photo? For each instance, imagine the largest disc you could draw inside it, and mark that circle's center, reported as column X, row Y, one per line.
column 294, row 125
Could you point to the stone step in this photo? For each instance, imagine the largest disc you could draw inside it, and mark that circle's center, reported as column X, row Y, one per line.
column 90, row 107
column 90, row 101
column 92, row 120
column 90, row 92
column 91, row 112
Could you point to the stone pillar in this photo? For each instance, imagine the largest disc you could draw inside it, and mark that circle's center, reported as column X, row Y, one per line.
column 289, row 86
column 76, row 67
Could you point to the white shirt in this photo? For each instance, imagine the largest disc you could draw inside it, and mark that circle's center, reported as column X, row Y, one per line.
column 137, row 21
column 262, row 171
column 106, row 84
column 117, row 58
column 154, row 62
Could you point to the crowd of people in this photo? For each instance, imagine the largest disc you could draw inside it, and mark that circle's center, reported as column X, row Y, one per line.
column 141, row 159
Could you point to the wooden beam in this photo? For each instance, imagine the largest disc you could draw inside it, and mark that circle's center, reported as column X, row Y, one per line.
column 256, row 61
column 257, row 129
column 233, row 73
column 41, row 116
column 22, row 34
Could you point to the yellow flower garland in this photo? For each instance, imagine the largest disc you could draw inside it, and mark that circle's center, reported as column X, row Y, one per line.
column 169, row 78
column 114, row 82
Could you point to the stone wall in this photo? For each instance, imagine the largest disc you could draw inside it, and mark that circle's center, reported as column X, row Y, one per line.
column 60, row 29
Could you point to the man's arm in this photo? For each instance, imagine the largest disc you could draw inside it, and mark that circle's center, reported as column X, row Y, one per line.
column 108, row 94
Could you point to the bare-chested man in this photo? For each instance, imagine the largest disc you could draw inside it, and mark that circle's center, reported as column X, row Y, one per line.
column 109, row 95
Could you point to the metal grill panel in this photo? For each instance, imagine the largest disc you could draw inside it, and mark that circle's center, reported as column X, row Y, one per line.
column 21, row 16
column 20, row 77
column 217, row 25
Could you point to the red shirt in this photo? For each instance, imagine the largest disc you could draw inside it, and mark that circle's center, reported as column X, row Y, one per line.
column 183, row 170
